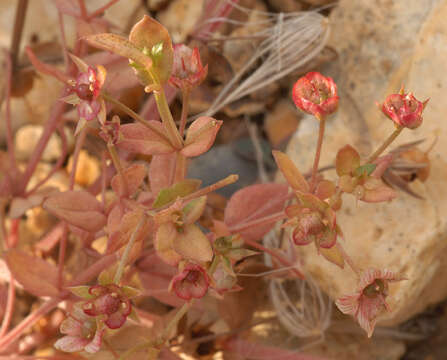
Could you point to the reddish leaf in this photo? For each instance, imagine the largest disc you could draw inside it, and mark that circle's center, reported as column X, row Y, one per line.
column 78, row 208
column 148, row 34
column 121, row 46
column 161, row 172
column 138, row 138
column 36, row 275
column 192, row 244
column 164, row 244
column 200, row 136
column 325, row 189
column 134, row 176
column 252, row 203
column 347, row 160
column 290, row 171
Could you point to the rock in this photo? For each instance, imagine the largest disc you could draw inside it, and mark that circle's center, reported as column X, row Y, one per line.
column 381, row 45
column 181, row 17
column 88, row 169
column 26, row 139
column 286, row 5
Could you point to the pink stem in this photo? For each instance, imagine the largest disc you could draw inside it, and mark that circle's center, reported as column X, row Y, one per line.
column 275, row 255
column 84, row 13
column 9, row 135
column 317, row 153
column 258, row 222
column 9, row 306
column 99, row 11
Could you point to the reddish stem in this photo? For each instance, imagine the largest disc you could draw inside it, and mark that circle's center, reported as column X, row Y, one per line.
column 84, row 13
column 100, row 10
column 258, row 222
column 275, row 255
column 9, row 134
column 317, row 153
column 9, row 311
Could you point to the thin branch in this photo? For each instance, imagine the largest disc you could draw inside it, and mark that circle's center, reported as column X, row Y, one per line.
column 19, row 22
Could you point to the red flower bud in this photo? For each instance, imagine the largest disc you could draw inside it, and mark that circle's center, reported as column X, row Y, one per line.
column 192, row 282
column 316, row 94
column 187, row 70
column 404, row 109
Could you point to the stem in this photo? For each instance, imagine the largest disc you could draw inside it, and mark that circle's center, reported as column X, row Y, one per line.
column 83, row 8
column 274, row 254
column 9, row 134
column 166, row 118
column 133, row 114
column 9, row 311
column 19, row 22
column 185, row 108
column 123, row 261
column 61, row 257
column 385, row 144
column 99, row 11
column 258, row 222
column 322, row 120
column 180, row 168
column 79, row 143
column 174, row 321
column 116, row 162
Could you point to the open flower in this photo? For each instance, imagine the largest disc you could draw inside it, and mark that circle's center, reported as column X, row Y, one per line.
column 191, row 282
column 187, row 71
column 316, row 94
column 404, row 109
column 109, row 301
column 369, row 301
column 82, row 333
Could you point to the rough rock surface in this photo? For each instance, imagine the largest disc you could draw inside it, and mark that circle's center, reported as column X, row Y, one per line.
column 382, row 44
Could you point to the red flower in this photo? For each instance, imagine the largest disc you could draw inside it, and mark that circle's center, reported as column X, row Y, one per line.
column 109, row 300
column 88, row 87
column 81, row 332
column 187, row 70
column 369, row 301
column 404, row 109
column 192, row 282
column 316, row 94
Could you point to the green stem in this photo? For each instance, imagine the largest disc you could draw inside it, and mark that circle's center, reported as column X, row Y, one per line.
column 123, row 261
column 132, row 114
column 166, row 118
column 174, row 321
column 185, row 108
column 322, row 120
column 385, row 144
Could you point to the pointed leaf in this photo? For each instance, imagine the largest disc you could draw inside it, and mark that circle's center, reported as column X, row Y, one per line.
column 161, row 169
column 134, row 176
column 252, row 203
column 325, row 189
column 150, row 35
column 130, row 292
column 311, row 201
column 347, row 160
column 379, row 194
column 290, row 171
column 164, row 244
column 180, row 189
column 192, row 244
column 78, row 208
column 139, row 139
column 81, row 291
column 200, row 136
column 333, row 255
column 121, row 46
column 365, row 170
column 194, row 210
column 36, row 275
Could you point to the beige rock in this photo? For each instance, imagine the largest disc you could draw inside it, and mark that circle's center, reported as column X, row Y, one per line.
column 26, row 139
column 281, row 122
column 181, row 17
column 382, row 44
column 88, row 168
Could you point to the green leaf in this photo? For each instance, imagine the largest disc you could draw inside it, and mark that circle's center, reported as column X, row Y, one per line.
column 194, row 210
column 365, row 170
column 180, row 189
column 130, row 291
column 151, row 35
column 239, row 254
column 81, row 291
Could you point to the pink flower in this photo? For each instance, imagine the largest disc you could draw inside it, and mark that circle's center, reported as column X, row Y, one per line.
column 316, row 94
column 81, row 332
column 369, row 301
column 111, row 301
column 88, row 88
column 192, row 282
column 404, row 109
column 187, row 70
